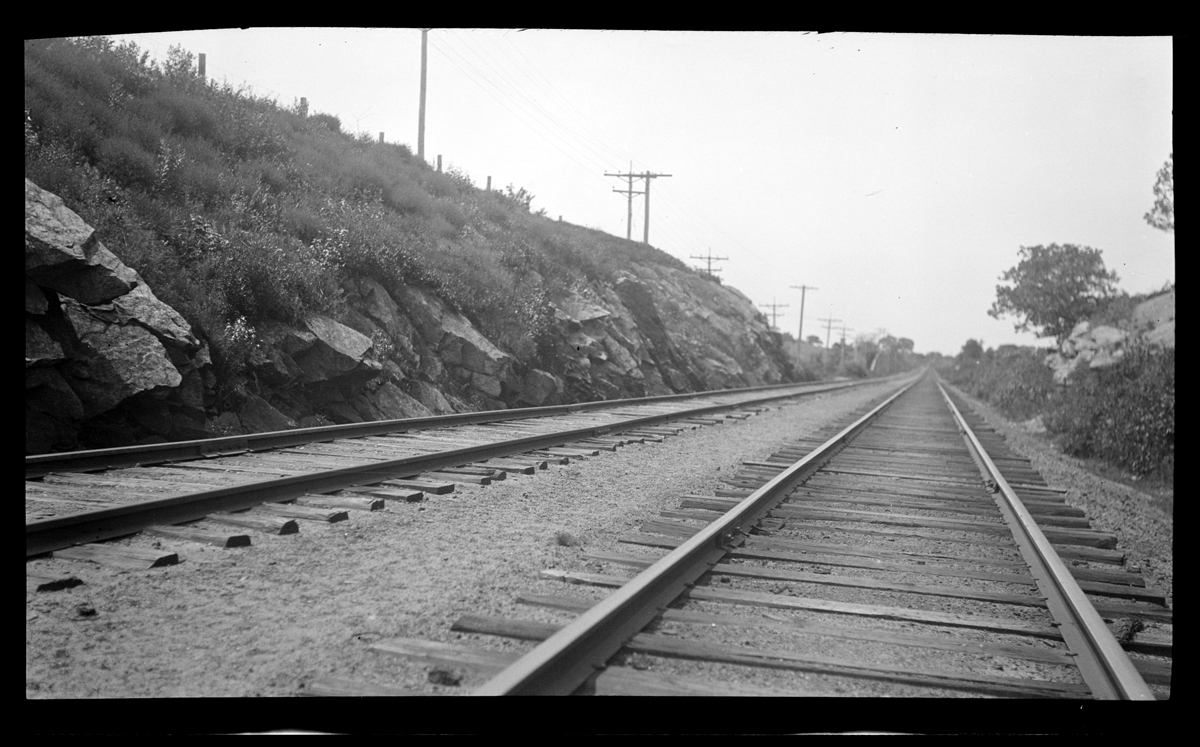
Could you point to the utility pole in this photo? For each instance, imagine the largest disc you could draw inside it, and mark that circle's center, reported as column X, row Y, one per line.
column 828, row 326
column 648, row 176
column 844, row 330
column 631, row 193
column 802, row 289
column 421, row 121
column 773, row 306
column 710, row 259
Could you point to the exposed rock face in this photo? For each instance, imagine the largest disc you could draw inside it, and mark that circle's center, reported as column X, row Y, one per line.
column 63, row 254
column 102, row 353
column 1103, row 345
column 104, row 357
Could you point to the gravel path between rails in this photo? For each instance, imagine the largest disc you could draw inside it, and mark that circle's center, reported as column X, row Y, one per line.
column 1144, row 532
column 268, row 619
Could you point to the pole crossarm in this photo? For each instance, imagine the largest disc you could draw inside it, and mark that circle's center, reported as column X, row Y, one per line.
column 709, row 259
column 773, row 306
column 829, row 322
column 630, row 192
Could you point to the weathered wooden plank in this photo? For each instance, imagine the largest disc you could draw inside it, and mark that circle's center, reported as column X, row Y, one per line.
column 835, row 561
column 569, row 452
column 494, row 473
column 267, row 524
column 1153, row 672
column 47, row 581
column 798, row 626
column 1080, row 537
column 1150, row 642
column 657, row 645
column 346, row 502
column 795, row 511
column 587, row 443
column 782, row 601
column 523, row 469
column 340, row 687
column 1072, row 551
column 427, row 486
column 118, row 556
column 447, row 654
column 1115, row 610
column 684, row 530
column 631, row 682
column 1042, row 511
column 730, row 569
column 457, row 478
column 821, row 548
column 330, row 515
column 367, row 492
column 202, row 536
column 966, row 482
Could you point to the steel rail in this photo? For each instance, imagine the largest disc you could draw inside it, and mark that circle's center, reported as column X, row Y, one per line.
column 47, row 535
column 1105, row 666
column 562, row 663
column 37, row 465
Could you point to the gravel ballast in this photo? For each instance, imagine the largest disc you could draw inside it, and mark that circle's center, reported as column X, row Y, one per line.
column 270, row 619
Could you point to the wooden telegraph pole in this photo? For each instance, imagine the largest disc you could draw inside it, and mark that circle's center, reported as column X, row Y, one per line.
column 802, row 289
column 630, row 192
column 773, row 306
column 648, row 176
column 844, row 330
column 421, row 115
column 828, row 326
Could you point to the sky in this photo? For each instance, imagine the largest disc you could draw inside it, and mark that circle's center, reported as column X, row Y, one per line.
column 894, row 175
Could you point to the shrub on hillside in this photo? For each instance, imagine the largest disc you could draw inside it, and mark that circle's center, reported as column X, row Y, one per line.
column 128, row 163
column 1018, row 384
column 1123, row 414
column 273, row 277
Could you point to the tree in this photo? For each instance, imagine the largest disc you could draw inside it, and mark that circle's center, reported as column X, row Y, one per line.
column 1162, row 215
column 972, row 350
column 813, row 340
column 1054, row 287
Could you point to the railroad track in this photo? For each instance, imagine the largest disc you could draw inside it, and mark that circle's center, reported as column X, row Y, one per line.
column 907, row 552
column 221, row 491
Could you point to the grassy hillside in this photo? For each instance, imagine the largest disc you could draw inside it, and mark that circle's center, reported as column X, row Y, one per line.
column 237, row 210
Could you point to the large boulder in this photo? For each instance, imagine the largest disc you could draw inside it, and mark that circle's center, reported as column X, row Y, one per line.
column 1094, row 346
column 131, row 364
column 117, row 362
column 62, row 252
column 335, row 350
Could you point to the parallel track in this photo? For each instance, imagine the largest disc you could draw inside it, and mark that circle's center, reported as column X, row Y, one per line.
column 237, row 473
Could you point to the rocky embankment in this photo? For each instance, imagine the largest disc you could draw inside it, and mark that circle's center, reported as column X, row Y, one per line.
column 1102, row 345
column 107, row 363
